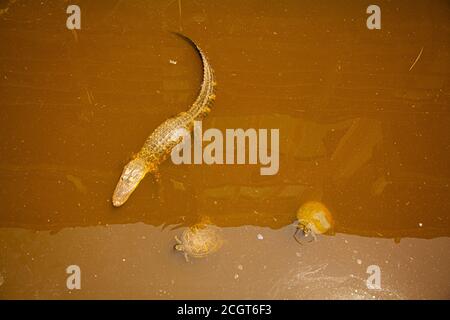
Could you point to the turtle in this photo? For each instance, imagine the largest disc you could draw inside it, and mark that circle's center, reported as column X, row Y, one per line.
column 199, row 241
column 313, row 218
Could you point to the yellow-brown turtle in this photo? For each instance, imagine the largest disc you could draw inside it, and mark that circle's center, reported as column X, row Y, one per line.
column 313, row 218
column 199, row 241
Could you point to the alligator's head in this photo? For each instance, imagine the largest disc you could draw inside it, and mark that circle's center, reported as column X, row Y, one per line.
column 132, row 174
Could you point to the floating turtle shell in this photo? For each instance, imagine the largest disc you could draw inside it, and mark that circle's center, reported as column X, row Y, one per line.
column 314, row 218
column 199, row 241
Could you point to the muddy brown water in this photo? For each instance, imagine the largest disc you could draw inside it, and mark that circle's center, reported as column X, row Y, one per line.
column 360, row 130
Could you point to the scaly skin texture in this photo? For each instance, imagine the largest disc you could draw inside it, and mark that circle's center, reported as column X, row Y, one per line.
column 160, row 143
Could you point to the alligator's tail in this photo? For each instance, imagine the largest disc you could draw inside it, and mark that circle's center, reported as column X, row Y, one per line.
column 201, row 107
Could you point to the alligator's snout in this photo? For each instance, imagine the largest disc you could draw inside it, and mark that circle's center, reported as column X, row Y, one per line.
column 132, row 174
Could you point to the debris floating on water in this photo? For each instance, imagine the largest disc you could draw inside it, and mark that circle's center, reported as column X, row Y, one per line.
column 260, row 236
column 173, row 61
column 417, row 59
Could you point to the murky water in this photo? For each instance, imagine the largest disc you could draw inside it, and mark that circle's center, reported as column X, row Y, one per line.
column 363, row 118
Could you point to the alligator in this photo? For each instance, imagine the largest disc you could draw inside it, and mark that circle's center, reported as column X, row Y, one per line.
column 164, row 138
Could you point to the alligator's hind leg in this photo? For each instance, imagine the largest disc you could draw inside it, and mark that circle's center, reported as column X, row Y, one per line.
column 205, row 111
